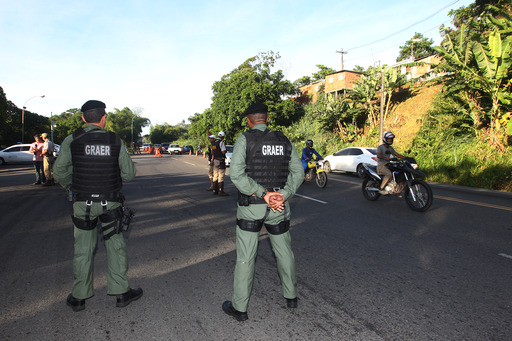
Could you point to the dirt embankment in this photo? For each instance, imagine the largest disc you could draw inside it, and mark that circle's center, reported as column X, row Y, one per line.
column 405, row 119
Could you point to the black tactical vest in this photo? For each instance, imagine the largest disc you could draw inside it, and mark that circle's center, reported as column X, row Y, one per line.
column 217, row 153
column 267, row 157
column 95, row 158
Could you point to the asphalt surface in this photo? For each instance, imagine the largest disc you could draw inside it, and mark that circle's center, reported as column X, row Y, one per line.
column 366, row 270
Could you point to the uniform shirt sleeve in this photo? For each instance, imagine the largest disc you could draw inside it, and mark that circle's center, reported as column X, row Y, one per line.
column 63, row 167
column 222, row 146
column 295, row 175
column 245, row 184
column 126, row 164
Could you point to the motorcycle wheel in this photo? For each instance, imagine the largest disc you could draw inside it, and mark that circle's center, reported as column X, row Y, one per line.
column 370, row 195
column 321, row 179
column 422, row 196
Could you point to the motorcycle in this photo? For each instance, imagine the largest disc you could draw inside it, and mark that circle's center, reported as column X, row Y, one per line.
column 316, row 172
column 417, row 193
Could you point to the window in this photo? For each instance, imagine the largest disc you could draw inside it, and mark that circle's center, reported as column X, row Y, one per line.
column 342, row 76
column 331, row 79
column 13, row 149
column 355, row 151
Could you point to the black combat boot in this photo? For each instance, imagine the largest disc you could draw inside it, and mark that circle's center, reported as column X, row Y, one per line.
column 215, row 187
column 221, row 191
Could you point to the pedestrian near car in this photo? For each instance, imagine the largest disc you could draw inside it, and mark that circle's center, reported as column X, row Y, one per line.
column 37, row 159
column 212, row 139
column 94, row 163
column 266, row 170
column 219, row 164
column 48, row 159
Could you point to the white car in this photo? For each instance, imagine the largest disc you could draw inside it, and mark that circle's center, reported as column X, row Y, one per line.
column 229, row 153
column 19, row 153
column 350, row 160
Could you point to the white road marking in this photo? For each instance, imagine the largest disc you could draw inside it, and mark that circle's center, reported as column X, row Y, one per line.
column 505, row 255
column 189, row 163
column 303, row 196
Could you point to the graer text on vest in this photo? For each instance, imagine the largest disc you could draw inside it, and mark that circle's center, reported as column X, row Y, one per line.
column 97, row 150
column 272, row 150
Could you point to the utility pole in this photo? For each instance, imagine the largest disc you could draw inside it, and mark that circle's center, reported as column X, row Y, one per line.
column 342, row 53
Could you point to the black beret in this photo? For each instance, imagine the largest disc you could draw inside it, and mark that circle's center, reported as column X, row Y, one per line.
column 92, row 104
column 256, row 108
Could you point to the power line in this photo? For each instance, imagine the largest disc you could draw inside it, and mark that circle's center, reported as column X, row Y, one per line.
column 404, row 29
column 390, row 47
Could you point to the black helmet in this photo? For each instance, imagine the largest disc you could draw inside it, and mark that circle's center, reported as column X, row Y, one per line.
column 309, row 143
column 388, row 135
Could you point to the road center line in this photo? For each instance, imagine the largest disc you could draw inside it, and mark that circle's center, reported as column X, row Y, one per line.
column 505, row 255
column 188, row 163
column 474, row 203
column 303, row 196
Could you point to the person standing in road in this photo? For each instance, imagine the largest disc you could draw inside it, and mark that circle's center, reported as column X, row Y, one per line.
column 95, row 163
column 266, row 170
column 37, row 159
column 48, row 160
column 219, row 164
column 210, row 163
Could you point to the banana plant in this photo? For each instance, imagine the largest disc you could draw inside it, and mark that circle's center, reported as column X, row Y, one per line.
column 479, row 59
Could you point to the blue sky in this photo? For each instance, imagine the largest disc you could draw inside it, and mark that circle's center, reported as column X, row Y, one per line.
column 163, row 56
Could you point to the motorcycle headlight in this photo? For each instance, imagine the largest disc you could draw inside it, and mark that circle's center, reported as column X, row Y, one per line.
column 415, row 166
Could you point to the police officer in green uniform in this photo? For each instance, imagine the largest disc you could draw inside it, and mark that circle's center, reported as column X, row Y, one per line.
column 93, row 163
column 266, row 170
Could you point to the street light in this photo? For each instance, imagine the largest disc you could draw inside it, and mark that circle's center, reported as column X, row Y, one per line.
column 23, row 118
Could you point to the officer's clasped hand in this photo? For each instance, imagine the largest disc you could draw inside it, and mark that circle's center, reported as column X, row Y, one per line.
column 275, row 201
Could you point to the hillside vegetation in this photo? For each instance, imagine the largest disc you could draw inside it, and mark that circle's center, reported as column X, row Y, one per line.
column 446, row 153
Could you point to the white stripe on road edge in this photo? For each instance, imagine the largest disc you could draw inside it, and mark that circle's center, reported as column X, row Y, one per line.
column 505, row 255
column 188, row 163
column 303, row 196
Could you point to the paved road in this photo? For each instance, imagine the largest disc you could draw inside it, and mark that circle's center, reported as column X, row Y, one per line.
column 366, row 270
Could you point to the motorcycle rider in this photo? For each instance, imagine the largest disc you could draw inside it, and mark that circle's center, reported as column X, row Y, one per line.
column 307, row 154
column 384, row 152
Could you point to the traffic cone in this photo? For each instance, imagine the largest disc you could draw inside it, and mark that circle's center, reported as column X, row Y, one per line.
column 157, row 152
column 204, row 155
column 190, row 153
column 196, row 154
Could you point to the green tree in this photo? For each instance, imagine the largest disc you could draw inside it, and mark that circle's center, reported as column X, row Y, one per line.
column 304, row 80
column 66, row 123
column 253, row 81
column 358, row 68
column 322, row 72
column 418, row 47
column 392, row 81
column 120, row 122
column 364, row 93
column 167, row 133
column 478, row 60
